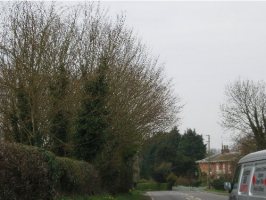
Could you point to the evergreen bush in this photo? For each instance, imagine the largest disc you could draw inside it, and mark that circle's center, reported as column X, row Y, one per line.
column 218, row 184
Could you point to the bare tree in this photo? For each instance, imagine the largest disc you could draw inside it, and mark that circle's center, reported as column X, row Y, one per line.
column 36, row 47
column 48, row 54
column 244, row 109
column 245, row 144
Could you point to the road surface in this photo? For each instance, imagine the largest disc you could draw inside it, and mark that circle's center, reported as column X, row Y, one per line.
column 185, row 195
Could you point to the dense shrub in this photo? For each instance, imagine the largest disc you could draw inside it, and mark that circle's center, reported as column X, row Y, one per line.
column 171, row 180
column 78, row 177
column 161, row 172
column 196, row 183
column 31, row 173
column 218, row 184
column 117, row 176
column 27, row 172
column 184, row 181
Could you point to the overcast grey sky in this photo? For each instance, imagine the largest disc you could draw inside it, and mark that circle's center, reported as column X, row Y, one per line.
column 204, row 45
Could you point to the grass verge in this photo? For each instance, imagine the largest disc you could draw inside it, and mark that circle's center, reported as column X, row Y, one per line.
column 151, row 186
column 222, row 192
column 133, row 195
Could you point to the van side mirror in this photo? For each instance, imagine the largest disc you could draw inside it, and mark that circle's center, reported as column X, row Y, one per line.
column 227, row 186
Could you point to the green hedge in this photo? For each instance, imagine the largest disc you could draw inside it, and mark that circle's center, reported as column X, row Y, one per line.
column 78, row 177
column 32, row 173
column 26, row 172
column 218, row 184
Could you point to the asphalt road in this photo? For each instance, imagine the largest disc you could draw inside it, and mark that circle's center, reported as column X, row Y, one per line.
column 185, row 195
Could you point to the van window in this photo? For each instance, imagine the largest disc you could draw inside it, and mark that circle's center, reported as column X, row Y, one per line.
column 245, row 180
column 258, row 186
column 236, row 177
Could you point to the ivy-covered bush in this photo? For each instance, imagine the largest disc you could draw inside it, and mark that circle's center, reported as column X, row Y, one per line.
column 78, row 177
column 27, row 172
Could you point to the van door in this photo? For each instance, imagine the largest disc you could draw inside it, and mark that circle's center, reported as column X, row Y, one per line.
column 234, row 190
column 245, row 179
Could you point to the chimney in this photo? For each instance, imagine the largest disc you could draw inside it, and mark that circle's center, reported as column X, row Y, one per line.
column 225, row 149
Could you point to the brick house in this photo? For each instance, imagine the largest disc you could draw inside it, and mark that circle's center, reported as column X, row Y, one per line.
column 222, row 164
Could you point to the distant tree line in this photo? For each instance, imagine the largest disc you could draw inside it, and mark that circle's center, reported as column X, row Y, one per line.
column 80, row 84
column 170, row 153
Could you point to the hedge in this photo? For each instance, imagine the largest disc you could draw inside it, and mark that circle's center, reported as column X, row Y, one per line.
column 32, row 173
column 78, row 177
column 26, row 172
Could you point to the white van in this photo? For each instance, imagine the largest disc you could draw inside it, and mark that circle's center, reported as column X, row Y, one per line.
column 249, row 181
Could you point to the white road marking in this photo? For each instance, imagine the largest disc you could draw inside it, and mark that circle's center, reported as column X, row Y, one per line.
column 192, row 198
column 187, row 196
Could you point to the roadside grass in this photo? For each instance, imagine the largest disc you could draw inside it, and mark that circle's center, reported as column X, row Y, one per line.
column 223, row 192
column 151, row 186
column 136, row 194
column 133, row 195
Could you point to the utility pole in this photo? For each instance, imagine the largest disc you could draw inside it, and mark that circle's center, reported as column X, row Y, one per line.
column 209, row 166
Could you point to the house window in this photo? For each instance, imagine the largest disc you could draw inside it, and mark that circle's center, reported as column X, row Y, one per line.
column 221, row 166
column 217, row 167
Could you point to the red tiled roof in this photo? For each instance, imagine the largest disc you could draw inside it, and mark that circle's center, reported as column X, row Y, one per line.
column 222, row 157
